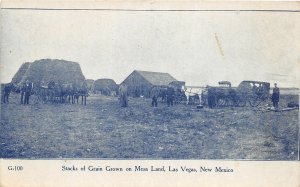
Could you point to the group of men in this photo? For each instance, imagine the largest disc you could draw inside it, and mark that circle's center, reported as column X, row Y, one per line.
column 26, row 91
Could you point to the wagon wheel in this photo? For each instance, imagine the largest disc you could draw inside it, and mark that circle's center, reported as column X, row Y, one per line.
column 264, row 101
column 254, row 100
column 229, row 102
column 221, row 101
column 240, row 102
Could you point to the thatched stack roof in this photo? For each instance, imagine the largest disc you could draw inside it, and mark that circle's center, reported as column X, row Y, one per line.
column 101, row 83
column 46, row 70
column 20, row 73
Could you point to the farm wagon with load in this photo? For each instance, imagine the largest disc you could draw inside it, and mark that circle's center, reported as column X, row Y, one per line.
column 252, row 92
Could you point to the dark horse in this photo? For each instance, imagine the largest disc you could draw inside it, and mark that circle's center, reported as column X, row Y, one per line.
column 6, row 90
column 71, row 93
column 81, row 93
column 159, row 92
column 66, row 93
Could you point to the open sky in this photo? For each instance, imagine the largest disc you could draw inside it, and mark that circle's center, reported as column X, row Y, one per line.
column 200, row 48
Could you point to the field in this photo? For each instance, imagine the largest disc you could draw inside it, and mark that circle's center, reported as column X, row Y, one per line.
column 102, row 129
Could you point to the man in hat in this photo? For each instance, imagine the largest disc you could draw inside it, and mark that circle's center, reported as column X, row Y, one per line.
column 27, row 90
column 170, row 95
column 275, row 96
column 23, row 89
column 123, row 96
column 154, row 100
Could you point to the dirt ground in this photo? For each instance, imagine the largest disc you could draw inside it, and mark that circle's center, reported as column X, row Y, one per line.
column 102, row 129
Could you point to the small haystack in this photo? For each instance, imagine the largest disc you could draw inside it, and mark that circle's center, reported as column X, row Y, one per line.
column 105, row 86
column 43, row 71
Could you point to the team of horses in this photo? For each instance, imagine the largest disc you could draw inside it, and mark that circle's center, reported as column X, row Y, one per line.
column 62, row 93
column 189, row 95
column 49, row 93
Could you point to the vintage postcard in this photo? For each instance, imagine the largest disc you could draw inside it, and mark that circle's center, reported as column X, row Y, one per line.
column 149, row 93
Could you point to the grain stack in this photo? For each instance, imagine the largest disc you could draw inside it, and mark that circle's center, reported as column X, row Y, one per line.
column 105, row 86
column 46, row 70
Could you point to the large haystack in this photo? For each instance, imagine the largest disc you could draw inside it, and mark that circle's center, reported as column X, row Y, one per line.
column 59, row 71
column 105, row 86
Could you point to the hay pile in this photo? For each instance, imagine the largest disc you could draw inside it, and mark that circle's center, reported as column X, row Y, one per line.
column 46, row 70
column 105, row 86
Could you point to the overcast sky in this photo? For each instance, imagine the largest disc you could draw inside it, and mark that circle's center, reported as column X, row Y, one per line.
column 197, row 47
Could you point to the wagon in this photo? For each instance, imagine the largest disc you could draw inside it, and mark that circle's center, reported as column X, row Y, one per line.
column 252, row 92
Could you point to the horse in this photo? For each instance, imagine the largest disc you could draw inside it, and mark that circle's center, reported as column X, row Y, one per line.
column 163, row 94
column 159, row 92
column 83, row 93
column 67, row 92
column 54, row 92
column 71, row 93
column 6, row 90
column 192, row 94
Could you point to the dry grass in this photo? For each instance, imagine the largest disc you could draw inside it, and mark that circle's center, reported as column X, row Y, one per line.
column 102, row 129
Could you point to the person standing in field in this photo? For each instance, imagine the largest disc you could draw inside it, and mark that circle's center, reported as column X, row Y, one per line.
column 28, row 92
column 154, row 101
column 154, row 93
column 170, row 95
column 23, row 89
column 123, row 96
column 275, row 96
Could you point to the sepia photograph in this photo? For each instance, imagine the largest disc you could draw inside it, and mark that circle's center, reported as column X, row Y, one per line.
column 143, row 84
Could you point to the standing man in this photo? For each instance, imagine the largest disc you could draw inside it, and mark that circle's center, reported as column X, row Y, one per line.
column 23, row 89
column 28, row 88
column 154, row 93
column 275, row 96
column 154, row 101
column 170, row 95
column 123, row 96
column 211, row 99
